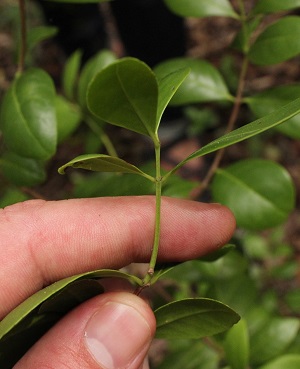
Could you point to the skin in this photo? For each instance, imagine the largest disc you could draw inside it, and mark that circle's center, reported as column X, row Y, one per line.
column 42, row 242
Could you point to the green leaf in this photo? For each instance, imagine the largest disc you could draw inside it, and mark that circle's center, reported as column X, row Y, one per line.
column 167, row 87
column 267, row 101
column 236, row 346
column 21, row 328
column 22, row 171
column 28, row 120
column 203, row 84
column 260, row 193
column 70, row 74
column 249, row 130
column 216, row 255
column 125, row 94
column 272, row 6
column 193, row 318
column 277, row 43
column 289, row 361
column 38, row 34
column 11, row 196
column 272, row 339
column 68, row 117
column 189, row 354
column 202, row 8
column 90, row 69
column 103, row 163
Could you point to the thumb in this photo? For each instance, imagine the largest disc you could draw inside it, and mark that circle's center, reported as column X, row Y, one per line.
column 110, row 331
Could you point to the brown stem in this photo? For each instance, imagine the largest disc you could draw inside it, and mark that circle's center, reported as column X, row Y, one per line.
column 23, row 43
column 196, row 193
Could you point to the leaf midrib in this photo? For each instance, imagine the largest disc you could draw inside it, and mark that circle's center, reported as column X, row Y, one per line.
column 246, row 186
column 135, row 109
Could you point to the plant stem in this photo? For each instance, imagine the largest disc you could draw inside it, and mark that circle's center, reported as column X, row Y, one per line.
column 230, row 125
column 158, row 185
column 23, row 34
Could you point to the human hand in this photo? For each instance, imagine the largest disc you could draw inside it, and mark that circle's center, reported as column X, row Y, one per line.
column 42, row 242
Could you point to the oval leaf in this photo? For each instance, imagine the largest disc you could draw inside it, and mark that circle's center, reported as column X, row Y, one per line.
column 22, row 171
column 125, row 94
column 70, row 74
column 272, row 6
column 193, row 318
column 204, row 82
column 103, row 163
column 202, row 8
column 289, row 361
column 90, row 69
column 20, row 329
column 267, row 101
column 236, row 346
column 249, row 130
column 259, row 192
column 273, row 339
column 279, row 42
column 28, row 120
column 68, row 117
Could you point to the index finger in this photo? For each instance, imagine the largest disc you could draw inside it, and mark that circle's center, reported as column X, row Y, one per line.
column 42, row 242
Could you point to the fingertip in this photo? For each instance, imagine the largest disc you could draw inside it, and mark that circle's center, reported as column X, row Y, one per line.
column 112, row 330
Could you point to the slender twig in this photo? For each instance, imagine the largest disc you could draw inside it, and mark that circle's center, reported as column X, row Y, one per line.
column 23, row 36
column 230, row 125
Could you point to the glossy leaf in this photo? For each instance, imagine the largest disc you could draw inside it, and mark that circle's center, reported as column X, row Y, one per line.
column 30, row 320
column 203, row 84
column 167, row 87
column 289, row 361
column 273, row 339
column 272, row 6
column 193, row 318
column 22, row 171
column 202, row 8
column 90, row 69
column 70, row 74
column 28, row 120
column 249, row 130
column 236, row 346
column 260, row 193
column 68, row 117
column 103, row 163
column 125, row 94
column 267, row 101
column 277, row 43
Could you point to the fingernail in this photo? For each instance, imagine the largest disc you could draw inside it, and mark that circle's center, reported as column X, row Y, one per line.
column 116, row 334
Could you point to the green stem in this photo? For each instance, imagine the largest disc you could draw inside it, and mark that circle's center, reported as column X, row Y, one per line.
column 158, row 186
